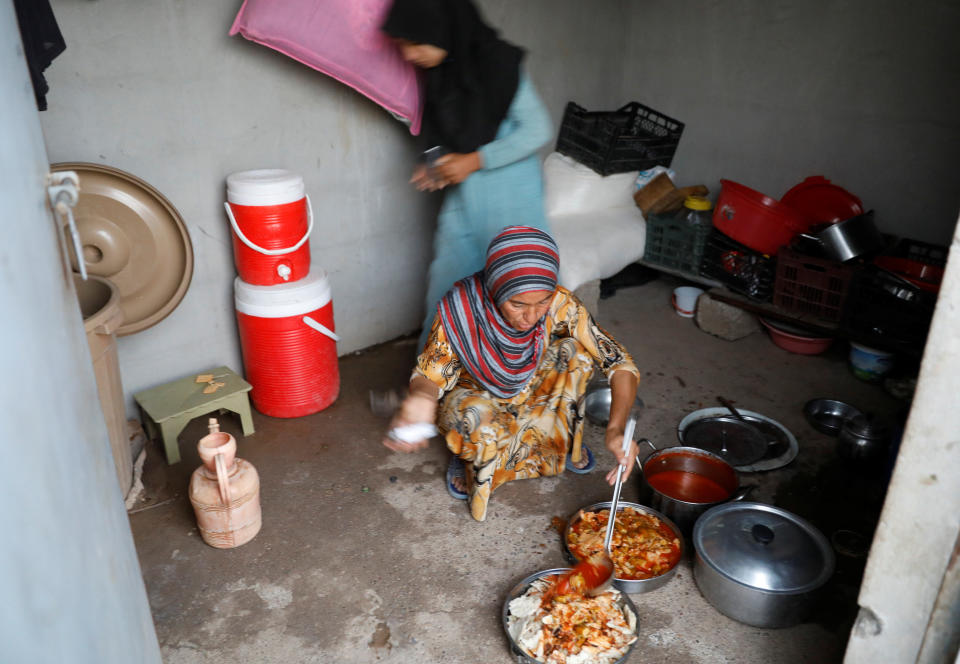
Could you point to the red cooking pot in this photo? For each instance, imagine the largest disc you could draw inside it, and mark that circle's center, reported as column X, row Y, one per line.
column 762, row 223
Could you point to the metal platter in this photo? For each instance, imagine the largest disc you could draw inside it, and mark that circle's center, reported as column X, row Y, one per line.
column 133, row 236
column 782, row 445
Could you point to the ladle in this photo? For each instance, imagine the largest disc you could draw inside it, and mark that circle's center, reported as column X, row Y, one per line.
column 736, row 414
column 597, row 571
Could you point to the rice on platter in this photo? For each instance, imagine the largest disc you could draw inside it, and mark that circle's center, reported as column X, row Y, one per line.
column 571, row 628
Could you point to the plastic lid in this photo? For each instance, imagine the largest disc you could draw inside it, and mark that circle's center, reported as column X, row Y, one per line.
column 822, row 202
column 763, row 547
column 282, row 300
column 269, row 186
column 697, row 203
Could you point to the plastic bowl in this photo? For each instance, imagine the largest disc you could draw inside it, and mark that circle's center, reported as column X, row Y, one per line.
column 796, row 343
column 758, row 221
column 870, row 364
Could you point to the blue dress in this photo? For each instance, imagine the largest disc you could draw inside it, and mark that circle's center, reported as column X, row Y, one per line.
column 506, row 191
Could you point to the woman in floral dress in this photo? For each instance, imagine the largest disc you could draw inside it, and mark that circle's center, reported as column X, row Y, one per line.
column 507, row 361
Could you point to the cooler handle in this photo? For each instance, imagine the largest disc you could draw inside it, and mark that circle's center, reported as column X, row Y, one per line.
column 271, row 252
column 320, row 327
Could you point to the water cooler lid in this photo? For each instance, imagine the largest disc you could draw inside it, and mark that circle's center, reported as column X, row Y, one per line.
column 134, row 237
column 268, row 186
column 290, row 299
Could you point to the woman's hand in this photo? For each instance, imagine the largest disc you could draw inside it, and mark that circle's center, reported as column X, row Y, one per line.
column 418, row 408
column 454, row 168
column 614, row 443
column 623, row 390
column 422, row 180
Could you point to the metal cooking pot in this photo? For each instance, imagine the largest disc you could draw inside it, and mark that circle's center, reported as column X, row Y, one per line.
column 710, row 468
column 759, row 564
column 848, row 239
column 863, row 439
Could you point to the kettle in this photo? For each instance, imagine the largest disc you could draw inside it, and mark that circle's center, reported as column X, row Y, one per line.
column 864, row 439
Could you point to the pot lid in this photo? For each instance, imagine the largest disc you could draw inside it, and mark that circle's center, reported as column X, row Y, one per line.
column 133, row 236
column 822, row 202
column 763, row 547
column 781, row 448
column 738, row 443
column 866, row 426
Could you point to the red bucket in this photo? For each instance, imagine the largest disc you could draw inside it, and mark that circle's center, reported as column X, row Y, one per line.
column 271, row 220
column 762, row 223
column 288, row 344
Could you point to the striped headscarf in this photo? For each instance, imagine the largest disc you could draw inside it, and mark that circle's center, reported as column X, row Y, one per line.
column 520, row 259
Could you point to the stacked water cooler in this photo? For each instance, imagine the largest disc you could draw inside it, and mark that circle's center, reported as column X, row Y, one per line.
column 284, row 309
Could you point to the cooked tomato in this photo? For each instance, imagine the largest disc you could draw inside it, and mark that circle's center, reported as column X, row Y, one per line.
column 642, row 546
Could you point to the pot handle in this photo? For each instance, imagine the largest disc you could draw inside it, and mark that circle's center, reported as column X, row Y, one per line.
column 742, row 493
column 653, row 449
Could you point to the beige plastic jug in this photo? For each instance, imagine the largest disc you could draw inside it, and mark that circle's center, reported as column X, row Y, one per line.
column 225, row 492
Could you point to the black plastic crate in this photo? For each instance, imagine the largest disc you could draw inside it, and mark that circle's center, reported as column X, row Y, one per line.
column 738, row 267
column 886, row 310
column 632, row 138
column 675, row 243
column 811, row 285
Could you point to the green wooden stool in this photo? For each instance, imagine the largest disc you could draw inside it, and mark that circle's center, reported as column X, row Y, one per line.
column 168, row 408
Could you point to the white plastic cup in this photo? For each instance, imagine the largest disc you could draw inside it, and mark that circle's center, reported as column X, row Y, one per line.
column 685, row 300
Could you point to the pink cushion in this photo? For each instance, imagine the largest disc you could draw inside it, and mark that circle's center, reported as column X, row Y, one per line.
column 342, row 39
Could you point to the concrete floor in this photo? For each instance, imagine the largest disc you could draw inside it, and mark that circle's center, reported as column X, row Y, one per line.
column 363, row 557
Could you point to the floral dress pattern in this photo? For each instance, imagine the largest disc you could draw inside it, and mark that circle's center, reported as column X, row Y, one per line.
column 529, row 434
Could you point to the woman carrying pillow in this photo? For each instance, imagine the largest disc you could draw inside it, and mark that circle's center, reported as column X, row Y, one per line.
column 481, row 108
column 509, row 356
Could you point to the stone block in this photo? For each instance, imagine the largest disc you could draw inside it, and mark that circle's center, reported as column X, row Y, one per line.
column 724, row 320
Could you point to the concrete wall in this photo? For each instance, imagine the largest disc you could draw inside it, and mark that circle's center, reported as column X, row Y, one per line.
column 69, row 576
column 919, row 521
column 159, row 89
column 771, row 92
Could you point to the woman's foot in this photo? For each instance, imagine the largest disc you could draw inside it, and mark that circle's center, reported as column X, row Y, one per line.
column 456, row 479
column 586, row 463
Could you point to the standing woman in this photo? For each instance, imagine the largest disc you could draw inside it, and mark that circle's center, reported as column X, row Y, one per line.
column 479, row 107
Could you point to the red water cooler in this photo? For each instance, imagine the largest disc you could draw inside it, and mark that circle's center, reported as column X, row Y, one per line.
column 284, row 310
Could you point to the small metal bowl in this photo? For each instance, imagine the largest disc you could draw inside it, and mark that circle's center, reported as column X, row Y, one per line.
column 632, row 586
column 521, row 588
column 596, row 404
column 828, row 415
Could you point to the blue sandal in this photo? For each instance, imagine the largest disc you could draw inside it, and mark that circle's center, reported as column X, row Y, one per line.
column 455, row 469
column 591, row 462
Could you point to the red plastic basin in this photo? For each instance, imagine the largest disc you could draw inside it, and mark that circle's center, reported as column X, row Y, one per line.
column 762, row 223
column 822, row 202
column 796, row 343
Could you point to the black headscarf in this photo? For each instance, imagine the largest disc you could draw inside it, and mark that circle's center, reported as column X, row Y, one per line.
column 468, row 94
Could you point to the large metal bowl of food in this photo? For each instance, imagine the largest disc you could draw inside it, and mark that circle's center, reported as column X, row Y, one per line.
column 536, row 628
column 646, row 546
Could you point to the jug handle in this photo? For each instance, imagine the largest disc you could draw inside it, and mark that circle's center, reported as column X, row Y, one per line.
column 223, row 479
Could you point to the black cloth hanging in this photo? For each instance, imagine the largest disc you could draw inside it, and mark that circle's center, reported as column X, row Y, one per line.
column 468, row 94
column 42, row 42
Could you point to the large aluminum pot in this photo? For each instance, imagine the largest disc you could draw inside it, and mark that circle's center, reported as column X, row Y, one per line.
column 760, row 564
column 696, row 480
